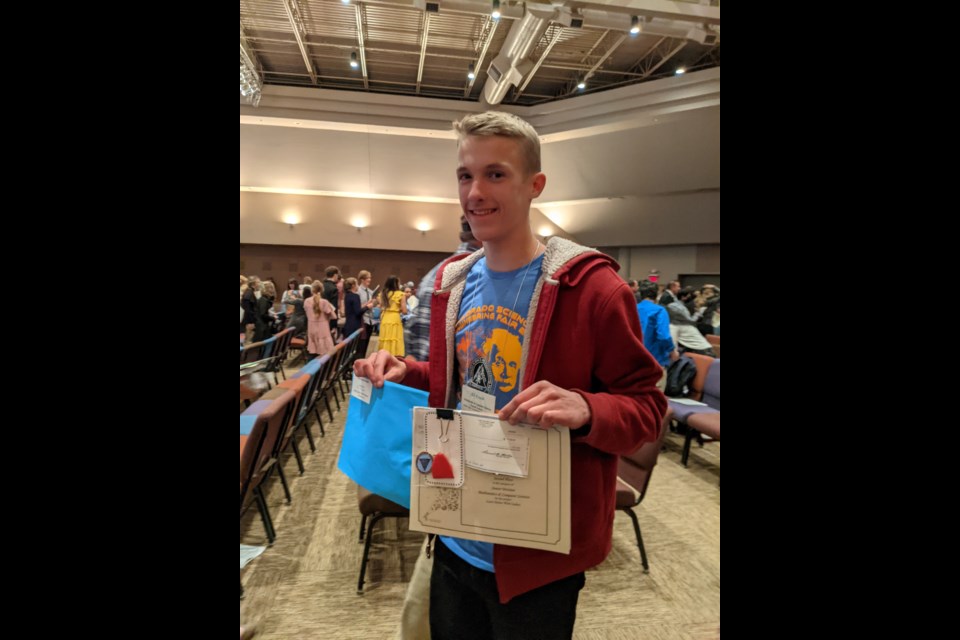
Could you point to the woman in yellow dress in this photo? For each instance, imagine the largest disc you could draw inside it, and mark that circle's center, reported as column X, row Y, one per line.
column 391, row 328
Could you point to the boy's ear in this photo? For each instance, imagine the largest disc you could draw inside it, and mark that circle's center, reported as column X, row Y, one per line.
column 539, row 182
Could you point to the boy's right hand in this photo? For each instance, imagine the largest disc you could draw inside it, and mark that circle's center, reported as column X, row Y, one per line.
column 381, row 366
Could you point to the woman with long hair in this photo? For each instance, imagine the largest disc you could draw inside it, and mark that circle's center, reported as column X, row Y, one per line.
column 319, row 314
column 292, row 292
column 391, row 327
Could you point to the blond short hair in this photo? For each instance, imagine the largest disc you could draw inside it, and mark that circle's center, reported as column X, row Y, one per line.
column 500, row 123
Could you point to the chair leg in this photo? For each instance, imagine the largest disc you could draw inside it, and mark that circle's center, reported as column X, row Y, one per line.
column 319, row 419
column 283, row 481
column 686, row 445
column 326, row 400
column 363, row 525
column 265, row 516
column 306, row 427
column 366, row 551
column 636, row 529
column 296, row 450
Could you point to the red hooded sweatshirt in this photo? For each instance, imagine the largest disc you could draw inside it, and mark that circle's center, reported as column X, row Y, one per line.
column 585, row 336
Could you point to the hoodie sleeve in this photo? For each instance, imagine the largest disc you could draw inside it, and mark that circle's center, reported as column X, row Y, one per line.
column 418, row 374
column 628, row 410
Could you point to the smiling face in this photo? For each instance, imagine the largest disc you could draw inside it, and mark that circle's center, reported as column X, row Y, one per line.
column 495, row 187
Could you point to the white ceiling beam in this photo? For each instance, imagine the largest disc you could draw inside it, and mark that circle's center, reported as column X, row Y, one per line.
column 491, row 28
column 604, row 57
column 424, row 32
column 660, row 9
column 299, row 31
column 658, row 55
column 363, row 52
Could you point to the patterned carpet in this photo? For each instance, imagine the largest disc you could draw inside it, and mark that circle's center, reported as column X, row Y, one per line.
column 304, row 586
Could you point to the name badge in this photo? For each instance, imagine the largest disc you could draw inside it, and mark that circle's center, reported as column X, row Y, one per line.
column 475, row 400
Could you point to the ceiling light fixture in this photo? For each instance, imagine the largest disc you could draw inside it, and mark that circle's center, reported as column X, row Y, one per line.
column 582, row 84
column 470, row 73
column 680, row 71
column 495, row 14
column 634, row 25
column 353, row 60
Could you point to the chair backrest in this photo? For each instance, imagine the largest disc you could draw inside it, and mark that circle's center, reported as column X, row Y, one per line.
column 299, row 385
column 251, row 352
column 280, row 348
column 370, row 503
column 270, row 419
column 350, row 351
column 336, row 359
column 635, row 468
column 314, row 370
column 703, row 366
column 711, row 387
column 268, row 346
column 714, row 342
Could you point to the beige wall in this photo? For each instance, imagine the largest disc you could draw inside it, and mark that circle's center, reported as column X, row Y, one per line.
column 708, row 258
column 636, row 262
column 285, row 262
column 673, row 260
column 328, row 221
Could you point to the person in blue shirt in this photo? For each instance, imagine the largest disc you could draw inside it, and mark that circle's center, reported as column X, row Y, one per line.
column 655, row 322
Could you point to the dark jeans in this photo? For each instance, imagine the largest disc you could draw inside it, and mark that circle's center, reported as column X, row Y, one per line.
column 704, row 352
column 464, row 604
column 364, row 341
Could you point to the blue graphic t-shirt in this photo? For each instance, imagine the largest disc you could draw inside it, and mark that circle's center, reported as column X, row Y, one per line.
column 489, row 338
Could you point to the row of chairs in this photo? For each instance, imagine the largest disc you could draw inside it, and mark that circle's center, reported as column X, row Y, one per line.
column 268, row 426
column 276, row 348
column 264, row 436
column 700, row 420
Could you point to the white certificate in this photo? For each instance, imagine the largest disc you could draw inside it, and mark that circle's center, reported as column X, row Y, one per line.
column 531, row 511
column 497, row 447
